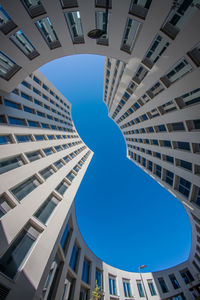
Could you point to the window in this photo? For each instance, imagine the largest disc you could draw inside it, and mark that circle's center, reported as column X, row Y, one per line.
column 47, row 172
column 39, row 137
column 32, row 156
column 158, row 170
column 25, row 96
column 140, row 8
column 184, row 186
column 112, row 285
column 34, row 7
column 23, row 138
column 169, row 177
column 174, row 281
column 46, row 28
column 7, row 67
column 59, row 164
column 169, row 159
column 6, row 24
column 130, row 33
column 75, row 26
column 46, row 209
column 187, row 276
column 12, row 104
column 70, row 176
column 127, row 288
column 183, row 146
column 74, row 258
column 178, row 17
column 86, row 271
column 101, row 24
column 180, row 69
column 196, row 196
column 33, row 123
column 140, row 289
column 84, row 294
column 163, row 285
column 151, row 288
column 66, row 237
column 184, row 164
column 58, row 148
column 5, row 206
column 16, row 121
column 48, row 151
column 10, row 164
column 156, row 49
column 13, row 258
column 62, row 187
column 98, row 278
column 29, row 110
column 178, row 126
column 5, row 139
column 21, row 41
column 25, row 188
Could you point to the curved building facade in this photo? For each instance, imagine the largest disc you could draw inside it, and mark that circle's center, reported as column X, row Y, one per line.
column 151, row 89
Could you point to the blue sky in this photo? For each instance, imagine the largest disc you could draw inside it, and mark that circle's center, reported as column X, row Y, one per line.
column 125, row 217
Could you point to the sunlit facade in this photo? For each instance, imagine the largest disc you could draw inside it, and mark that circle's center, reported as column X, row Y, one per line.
column 151, row 89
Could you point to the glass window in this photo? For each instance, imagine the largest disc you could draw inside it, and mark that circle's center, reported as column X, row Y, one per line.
column 21, row 41
column 187, row 276
column 12, row 104
column 10, row 164
column 39, row 137
column 151, row 288
column 169, row 177
column 127, row 288
column 5, row 139
column 98, row 277
column 184, row 187
column 25, row 96
column 74, row 258
column 6, row 24
column 163, row 285
column 86, row 271
column 34, row 7
column 48, row 151
column 32, row 156
column 46, row 209
column 174, row 281
column 7, row 67
column 140, row 8
column 183, row 146
column 62, row 187
column 16, row 121
column 101, row 24
column 13, row 258
column 23, row 138
column 46, row 28
column 112, row 285
column 33, row 123
column 47, row 172
column 70, row 176
column 75, row 26
column 59, row 164
column 65, row 237
column 156, row 49
column 4, row 206
column 177, row 17
column 140, row 289
column 25, row 188
column 130, row 33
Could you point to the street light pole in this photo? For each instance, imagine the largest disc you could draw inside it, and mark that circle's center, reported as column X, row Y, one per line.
column 139, row 268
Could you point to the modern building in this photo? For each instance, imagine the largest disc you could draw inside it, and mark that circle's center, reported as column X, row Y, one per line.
column 152, row 92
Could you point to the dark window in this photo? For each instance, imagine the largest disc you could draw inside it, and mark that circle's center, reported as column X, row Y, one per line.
column 163, row 285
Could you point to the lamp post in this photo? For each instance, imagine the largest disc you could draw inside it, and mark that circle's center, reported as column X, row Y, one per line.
column 139, row 268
